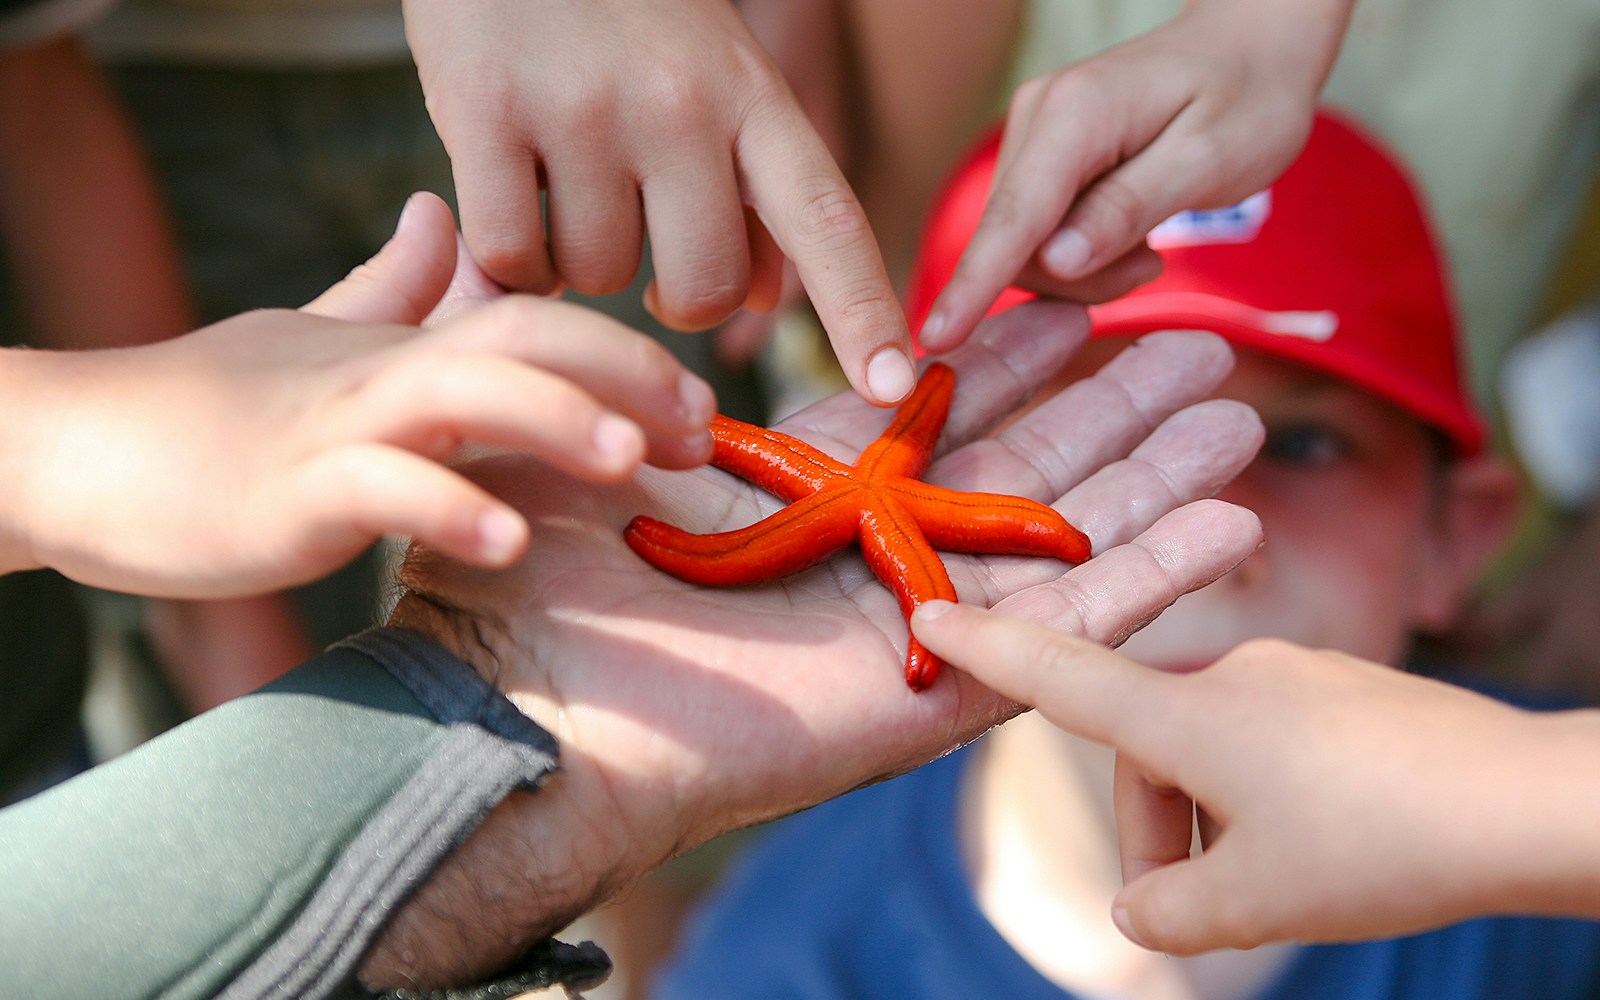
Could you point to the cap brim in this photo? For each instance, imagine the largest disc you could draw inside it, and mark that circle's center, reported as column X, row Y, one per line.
column 1297, row 336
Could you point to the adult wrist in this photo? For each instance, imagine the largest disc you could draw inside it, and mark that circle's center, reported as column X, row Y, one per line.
column 538, row 860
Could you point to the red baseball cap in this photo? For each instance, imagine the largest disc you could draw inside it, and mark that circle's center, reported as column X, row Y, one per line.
column 1334, row 266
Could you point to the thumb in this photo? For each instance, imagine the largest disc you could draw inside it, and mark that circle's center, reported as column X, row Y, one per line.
column 1183, row 909
column 470, row 287
column 407, row 277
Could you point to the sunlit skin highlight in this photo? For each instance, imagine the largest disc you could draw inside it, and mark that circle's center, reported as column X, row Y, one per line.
column 879, row 502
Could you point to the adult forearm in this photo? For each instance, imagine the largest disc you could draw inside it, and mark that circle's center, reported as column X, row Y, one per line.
column 259, row 848
column 535, row 864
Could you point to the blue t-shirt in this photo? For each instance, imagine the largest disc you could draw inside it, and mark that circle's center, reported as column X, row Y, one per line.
column 865, row 896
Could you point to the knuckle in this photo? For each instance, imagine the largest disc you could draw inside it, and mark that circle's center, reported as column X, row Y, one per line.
column 514, row 258
column 1005, row 209
column 828, row 215
column 1117, row 209
column 501, row 326
column 673, row 94
column 703, row 299
column 1088, row 84
column 1030, row 91
column 592, row 267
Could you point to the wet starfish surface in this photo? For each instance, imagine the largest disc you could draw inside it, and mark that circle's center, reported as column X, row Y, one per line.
column 879, row 502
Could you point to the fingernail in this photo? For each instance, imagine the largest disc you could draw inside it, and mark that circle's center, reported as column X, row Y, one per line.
column 500, row 535
column 700, row 445
column 405, row 213
column 932, row 328
column 1124, row 922
column 697, row 398
column 890, row 375
column 617, row 439
column 932, row 610
column 1066, row 253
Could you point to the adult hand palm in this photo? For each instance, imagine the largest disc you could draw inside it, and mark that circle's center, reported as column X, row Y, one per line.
column 680, row 699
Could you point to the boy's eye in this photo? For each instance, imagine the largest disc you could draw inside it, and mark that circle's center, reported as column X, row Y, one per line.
column 1306, row 445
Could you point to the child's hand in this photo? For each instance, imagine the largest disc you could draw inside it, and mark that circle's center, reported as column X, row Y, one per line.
column 686, row 710
column 1200, row 112
column 651, row 115
column 268, row 449
column 1338, row 799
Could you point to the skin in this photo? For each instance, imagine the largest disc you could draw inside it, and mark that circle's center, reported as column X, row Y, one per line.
column 1347, row 795
column 684, row 712
column 1199, row 112
column 1358, row 786
column 1370, row 540
column 93, row 264
column 320, row 435
column 658, row 117
column 667, row 699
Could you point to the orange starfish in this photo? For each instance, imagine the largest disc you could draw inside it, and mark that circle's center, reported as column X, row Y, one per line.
column 898, row 520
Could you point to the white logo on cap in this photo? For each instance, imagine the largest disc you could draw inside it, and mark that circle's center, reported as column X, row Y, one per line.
column 1235, row 224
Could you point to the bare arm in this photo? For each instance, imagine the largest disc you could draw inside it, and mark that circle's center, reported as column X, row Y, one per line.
column 683, row 712
column 1344, row 800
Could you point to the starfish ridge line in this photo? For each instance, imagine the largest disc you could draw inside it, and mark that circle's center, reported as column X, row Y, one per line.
column 879, row 503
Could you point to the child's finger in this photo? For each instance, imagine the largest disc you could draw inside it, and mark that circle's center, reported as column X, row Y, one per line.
column 406, row 278
column 1132, row 269
column 1181, row 910
column 1155, row 821
column 433, row 405
column 1043, row 163
column 1076, row 684
column 619, row 367
column 808, row 207
column 352, row 495
column 596, row 232
column 497, row 186
column 767, row 266
column 699, row 245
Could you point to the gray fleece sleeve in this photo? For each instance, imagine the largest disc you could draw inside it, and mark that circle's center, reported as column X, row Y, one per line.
column 257, row 850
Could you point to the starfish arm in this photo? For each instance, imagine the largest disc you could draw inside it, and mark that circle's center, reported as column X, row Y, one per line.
column 800, row 535
column 992, row 522
column 898, row 554
column 899, row 521
column 783, row 465
column 906, row 447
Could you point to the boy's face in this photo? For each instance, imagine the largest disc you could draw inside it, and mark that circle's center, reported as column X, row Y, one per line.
column 1361, row 524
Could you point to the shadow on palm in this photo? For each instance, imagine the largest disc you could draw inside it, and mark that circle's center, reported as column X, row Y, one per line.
column 746, row 694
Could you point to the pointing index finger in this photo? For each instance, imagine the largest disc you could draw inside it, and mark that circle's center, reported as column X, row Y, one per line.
column 1076, row 684
column 807, row 206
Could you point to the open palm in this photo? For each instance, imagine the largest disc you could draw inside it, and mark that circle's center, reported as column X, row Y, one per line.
column 672, row 701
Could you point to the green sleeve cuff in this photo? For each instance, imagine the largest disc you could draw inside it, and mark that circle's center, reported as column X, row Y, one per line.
column 258, row 849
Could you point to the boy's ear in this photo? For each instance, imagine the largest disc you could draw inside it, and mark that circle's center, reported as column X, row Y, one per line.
column 1481, row 500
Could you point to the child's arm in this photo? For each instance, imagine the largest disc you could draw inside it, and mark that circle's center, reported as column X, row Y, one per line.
column 680, row 711
column 268, row 449
column 93, row 264
column 658, row 116
column 1340, row 799
column 684, row 710
column 1199, row 112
